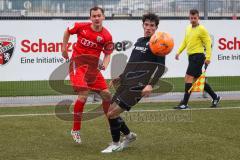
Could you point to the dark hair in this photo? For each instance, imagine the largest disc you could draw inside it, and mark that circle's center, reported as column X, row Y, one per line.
column 151, row 17
column 95, row 9
column 194, row 12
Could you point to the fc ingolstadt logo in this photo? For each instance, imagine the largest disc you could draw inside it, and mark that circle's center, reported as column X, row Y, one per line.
column 7, row 45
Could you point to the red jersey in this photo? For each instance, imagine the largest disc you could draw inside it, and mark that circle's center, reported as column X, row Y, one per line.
column 1, row 58
column 90, row 41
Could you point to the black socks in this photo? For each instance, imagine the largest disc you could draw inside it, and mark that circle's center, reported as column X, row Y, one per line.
column 117, row 125
column 115, row 129
column 209, row 90
column 124, row 128
column 186, row 95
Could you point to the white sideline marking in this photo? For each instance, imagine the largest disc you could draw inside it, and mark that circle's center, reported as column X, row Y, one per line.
column 53, row 114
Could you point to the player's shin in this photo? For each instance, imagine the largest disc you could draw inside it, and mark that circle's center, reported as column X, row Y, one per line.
column 124, row 128
column 78, row 110
column 115, row 126
column 186, row 94
column 210, row 91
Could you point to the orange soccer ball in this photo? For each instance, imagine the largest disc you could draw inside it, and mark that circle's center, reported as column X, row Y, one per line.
column 161, row 43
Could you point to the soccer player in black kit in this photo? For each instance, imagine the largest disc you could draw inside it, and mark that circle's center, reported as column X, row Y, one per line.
column 142, row 71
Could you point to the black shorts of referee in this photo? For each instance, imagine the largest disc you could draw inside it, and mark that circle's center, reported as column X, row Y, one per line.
column 196, row 62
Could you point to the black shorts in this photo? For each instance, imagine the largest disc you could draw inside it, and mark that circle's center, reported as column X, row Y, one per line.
column 195, row 64
column 135, row 77
column 127, row 96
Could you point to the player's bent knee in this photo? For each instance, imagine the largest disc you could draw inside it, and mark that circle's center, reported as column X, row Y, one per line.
column 112, row 115
column 82, row 98
column 188, row 79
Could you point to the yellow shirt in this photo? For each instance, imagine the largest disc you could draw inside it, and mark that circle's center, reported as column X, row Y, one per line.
column 196, row 40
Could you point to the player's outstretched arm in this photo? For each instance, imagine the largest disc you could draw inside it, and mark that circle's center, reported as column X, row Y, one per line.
column 106, row 61
column 64, row 46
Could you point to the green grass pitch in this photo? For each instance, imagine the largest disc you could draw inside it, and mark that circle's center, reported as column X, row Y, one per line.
column 39, row 88
column 204, row 134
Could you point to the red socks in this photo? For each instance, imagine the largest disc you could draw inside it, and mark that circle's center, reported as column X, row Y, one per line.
column 77, row 117
column 78, row 110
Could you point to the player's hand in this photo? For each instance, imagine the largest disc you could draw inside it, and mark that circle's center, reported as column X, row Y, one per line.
column 101, row 67
column 114, row 81
column 177, row 56
column 207, row 62
column 147, row 91
column 65, row 53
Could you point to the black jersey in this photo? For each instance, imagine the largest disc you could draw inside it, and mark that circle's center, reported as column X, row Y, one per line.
column 143, row 68
column 143, row 65
column 142, row 52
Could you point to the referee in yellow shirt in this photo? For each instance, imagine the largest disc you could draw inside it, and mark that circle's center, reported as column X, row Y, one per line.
column 197, row 39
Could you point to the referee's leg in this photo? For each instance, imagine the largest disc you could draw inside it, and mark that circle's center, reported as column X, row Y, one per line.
column 215, row 98
column 194, row 70
column 188, row 84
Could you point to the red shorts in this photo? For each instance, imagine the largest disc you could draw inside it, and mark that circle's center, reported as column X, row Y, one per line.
column 84, row 74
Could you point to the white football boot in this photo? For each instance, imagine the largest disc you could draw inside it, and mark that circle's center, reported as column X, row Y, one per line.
column 128, row 139
column 113, row 147
column 76, row 136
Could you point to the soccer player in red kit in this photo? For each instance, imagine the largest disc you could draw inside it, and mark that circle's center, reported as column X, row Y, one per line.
column 85, row 75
